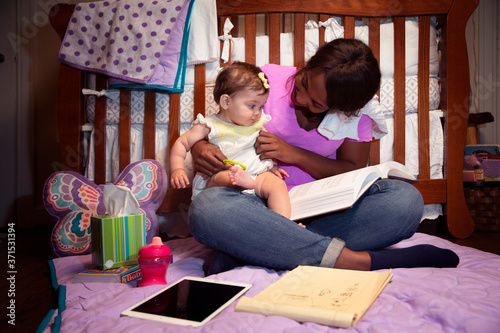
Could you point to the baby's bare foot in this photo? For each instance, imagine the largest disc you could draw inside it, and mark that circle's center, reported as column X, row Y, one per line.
column 239, row 177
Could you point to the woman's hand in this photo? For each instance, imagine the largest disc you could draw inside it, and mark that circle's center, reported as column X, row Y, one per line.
column 272, row 146
column 207, row 158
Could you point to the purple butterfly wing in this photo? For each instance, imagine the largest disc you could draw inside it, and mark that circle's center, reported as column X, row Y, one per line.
column 71, row 200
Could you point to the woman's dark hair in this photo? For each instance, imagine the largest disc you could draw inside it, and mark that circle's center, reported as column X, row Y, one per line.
column 352, row 73
column 239, row 76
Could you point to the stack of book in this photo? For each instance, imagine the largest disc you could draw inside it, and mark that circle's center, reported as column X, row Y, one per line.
column 125, row 274
column 481, row 163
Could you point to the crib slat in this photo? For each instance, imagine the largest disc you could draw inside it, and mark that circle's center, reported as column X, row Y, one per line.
column 274, row 38
column 423, row 96
column 124, row 129
column 236, row 25
column 174, row 124
column 100, row 132
column 199, row 89
column 299, row 39
column 322, row 18
column 399, row 89
column 149, row 124
column 349, row 27
column 374, row 36
column 374, row 43
column 287, row 22
column 70, row 118
column 250, row 38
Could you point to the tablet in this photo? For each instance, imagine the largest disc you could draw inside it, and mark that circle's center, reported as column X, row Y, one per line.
column 189, row 301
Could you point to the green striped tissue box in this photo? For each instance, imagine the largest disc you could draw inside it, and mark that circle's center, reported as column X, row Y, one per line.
column 116, row 241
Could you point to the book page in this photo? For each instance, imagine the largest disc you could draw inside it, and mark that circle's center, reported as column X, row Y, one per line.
column 341, row 191
column 332, row 296
column 352, row 179
column 397, row 170
column 339, row 182
column 348, row 182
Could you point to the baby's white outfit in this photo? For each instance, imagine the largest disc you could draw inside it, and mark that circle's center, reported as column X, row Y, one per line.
column 237, row 143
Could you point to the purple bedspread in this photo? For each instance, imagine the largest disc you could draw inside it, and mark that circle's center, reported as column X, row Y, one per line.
column 462, row 299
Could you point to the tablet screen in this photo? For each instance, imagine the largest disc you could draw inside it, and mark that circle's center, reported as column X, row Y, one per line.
column 190, row 301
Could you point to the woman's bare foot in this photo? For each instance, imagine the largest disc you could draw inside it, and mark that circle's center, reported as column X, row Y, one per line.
column 239, row 177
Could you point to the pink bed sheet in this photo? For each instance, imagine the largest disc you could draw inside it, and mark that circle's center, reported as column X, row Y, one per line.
column 462, row 299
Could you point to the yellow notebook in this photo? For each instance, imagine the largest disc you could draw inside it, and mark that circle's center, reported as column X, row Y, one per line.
column 328, row 296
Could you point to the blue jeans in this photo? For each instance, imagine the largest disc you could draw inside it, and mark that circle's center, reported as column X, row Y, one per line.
column 241, row 226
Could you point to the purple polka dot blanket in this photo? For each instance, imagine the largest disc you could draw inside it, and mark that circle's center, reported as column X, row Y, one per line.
column 140, row 44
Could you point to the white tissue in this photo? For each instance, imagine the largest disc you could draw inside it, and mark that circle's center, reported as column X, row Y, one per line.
column 119, row 201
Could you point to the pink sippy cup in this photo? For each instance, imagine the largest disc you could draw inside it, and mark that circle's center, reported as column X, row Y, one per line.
column 153, row 261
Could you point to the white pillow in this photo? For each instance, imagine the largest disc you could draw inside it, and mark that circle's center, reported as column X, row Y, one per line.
column 286, row 47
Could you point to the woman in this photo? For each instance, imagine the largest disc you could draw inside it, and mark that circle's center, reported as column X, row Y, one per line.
column 317, row 131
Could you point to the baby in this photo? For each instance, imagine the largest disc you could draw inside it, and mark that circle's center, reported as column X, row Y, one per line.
column 241, row 90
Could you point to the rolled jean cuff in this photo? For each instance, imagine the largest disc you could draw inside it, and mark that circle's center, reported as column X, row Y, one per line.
column 332, row 253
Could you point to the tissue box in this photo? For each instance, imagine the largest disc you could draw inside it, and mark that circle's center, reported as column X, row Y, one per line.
column 116, row 240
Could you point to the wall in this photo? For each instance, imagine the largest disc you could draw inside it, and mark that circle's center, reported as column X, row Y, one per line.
column 8, row 114
column 29, row 125
column 488, row 78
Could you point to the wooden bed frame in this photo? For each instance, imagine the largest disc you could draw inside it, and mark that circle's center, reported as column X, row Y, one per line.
column 452, row 16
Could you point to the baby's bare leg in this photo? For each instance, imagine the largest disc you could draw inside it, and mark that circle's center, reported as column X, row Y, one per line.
column 267, row 186
column 240, row 178
column 219, row 179
column 274, row 189
column 235, row 177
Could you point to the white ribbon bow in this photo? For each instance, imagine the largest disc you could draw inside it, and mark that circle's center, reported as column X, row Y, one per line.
column 113, row 94
column 226, row 37
column 333, row 29
column 311, row 24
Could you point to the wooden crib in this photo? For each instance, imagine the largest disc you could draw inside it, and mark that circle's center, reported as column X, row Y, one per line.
column 283, row 16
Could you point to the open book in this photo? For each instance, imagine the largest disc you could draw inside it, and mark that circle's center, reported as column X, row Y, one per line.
column 328, row 296
column 341, row 191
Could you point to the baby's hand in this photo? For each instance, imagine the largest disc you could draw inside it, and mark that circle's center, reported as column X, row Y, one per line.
column 179, row 179
column 283, row 173
column 279, row 172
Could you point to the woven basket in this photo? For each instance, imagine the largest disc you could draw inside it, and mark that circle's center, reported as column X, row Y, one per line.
column 483, row 200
